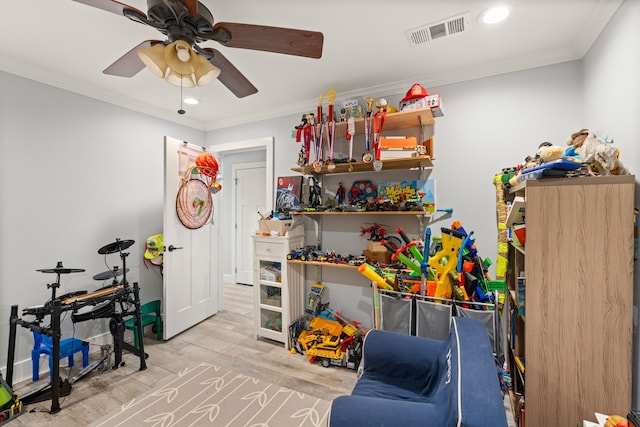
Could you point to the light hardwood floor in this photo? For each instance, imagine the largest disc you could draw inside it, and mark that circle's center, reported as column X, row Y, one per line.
column 226, row 339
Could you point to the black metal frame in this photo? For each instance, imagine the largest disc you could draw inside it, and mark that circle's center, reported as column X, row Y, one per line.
column 57, row 387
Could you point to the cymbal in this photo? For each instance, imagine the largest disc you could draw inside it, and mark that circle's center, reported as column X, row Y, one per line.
column 116, row 246
column 110, row 274
column 61, row 270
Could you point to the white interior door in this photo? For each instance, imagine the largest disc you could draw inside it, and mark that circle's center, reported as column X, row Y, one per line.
column 250, row 198
column 190, row 288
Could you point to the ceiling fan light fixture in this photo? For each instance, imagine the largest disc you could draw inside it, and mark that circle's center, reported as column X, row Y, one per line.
column 205, row 72
column 153, row 59
column 180, row 57
column 180, row 80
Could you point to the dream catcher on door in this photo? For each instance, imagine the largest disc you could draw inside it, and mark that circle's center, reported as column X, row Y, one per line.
column 194, row 203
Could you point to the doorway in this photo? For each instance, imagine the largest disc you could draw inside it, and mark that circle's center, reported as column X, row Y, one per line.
column 229, row 154
column 249, row 197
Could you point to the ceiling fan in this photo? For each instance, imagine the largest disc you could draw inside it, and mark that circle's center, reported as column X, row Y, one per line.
column 190, row 21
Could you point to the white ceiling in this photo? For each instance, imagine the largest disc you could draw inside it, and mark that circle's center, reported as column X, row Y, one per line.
column 366, row 52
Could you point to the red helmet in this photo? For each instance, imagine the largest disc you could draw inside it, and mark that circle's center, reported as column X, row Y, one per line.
column 416, row 91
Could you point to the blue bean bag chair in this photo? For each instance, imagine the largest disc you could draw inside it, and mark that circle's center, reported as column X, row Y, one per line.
column 413, row 381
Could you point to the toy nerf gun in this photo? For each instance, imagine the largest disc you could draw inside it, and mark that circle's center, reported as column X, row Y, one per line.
column 410, row 245
column 446, row 260
column 472, row 269
column 398, row 255
column 370, row 273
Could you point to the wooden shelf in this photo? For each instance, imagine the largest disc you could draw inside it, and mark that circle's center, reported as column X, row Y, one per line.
column 323, row 264
column 391, row 164
column 552, row 338
column 421, row 213
column 518, row 248
column 399, row 120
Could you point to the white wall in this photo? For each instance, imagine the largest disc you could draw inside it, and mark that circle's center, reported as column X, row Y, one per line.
column 612, row 105
column 75, row 174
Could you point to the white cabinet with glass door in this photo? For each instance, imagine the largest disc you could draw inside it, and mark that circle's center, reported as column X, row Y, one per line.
column 278, row 286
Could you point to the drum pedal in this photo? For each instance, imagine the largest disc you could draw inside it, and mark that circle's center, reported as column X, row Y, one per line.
column 105, row 357
column 101, row 365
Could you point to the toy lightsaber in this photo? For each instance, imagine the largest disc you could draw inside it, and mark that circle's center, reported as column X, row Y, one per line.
column 376, row 306
column 424, row 265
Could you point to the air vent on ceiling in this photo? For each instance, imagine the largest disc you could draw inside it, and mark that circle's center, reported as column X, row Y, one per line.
column 446, row 27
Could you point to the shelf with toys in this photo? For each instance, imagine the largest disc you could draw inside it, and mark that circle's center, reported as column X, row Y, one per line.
column 416, row 162
column 392, row 196
column 386, row 138
column 575, row 291
column 385, row 159
column 324, row 264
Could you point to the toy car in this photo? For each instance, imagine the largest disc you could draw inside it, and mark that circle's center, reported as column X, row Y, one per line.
column 302, row 254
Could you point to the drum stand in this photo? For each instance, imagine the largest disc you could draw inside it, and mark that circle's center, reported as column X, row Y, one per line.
column 56, row 387
column 116, row 325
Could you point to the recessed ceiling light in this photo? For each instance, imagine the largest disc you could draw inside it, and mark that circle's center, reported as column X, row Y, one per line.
column 191, row 101
column 495, row 15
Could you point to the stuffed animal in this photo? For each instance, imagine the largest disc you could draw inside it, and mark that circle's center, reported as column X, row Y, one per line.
column 548, row 152
column 599, row 154
column 616, row 421
column 577, row 138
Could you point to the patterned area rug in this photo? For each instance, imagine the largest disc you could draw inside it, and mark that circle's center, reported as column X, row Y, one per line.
column 209, row 395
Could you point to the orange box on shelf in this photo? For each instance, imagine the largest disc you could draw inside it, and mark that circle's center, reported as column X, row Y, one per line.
column 428, row 147
column 398, row 142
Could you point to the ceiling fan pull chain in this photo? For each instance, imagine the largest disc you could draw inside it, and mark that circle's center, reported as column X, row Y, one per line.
column 181, row 111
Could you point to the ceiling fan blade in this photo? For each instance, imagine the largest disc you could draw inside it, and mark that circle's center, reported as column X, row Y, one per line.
column 269, row 39
column 111, row 6
column 192, row 5
column 129, row 64
column 230, row 76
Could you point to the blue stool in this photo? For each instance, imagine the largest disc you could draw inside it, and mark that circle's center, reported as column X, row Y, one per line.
column 43, row 344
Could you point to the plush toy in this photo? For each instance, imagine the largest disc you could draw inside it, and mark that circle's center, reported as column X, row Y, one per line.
column 616, row 421
column 577, row 138
column 547, row 152
column 599, row 154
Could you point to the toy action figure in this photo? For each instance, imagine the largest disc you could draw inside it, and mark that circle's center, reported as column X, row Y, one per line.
column 340, row 193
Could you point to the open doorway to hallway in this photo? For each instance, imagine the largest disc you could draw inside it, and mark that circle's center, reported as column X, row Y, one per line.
column 240, row 153
column 249, row 202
